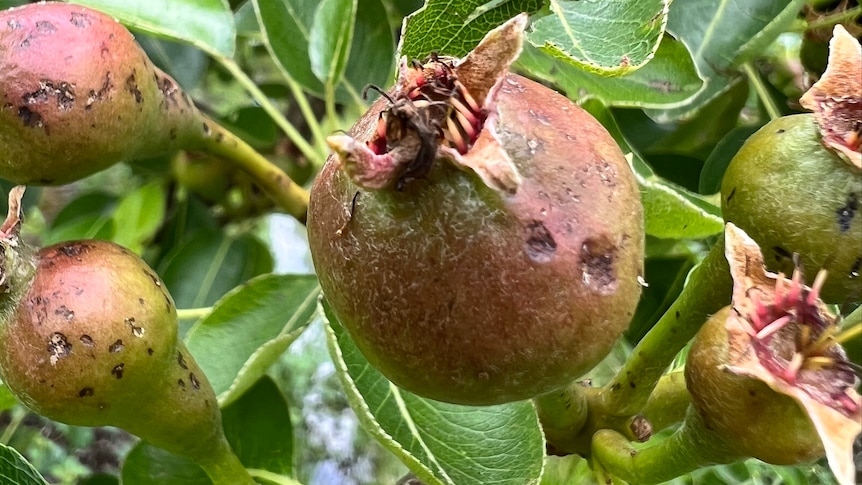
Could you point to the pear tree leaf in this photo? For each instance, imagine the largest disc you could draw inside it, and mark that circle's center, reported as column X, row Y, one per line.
column 206, row 24
column 330, row 38
column 16, row 470
column 721, row 35
column 268, row 313
column 608, row 38
column 441, row 443
column 287, row 28
column 454, row 28
column 668, row 80
column 138, row 216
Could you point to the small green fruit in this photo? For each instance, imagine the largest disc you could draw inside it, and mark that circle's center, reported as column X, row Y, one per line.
column 794, row 196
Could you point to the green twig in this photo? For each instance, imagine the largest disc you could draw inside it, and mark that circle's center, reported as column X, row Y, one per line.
column 224, row 468
column 292, row 133
column 668, row 402
column 708, row 290
column 762, row 93
column 193, row 313
column 288, row 196
column 18, row 415
column 690, row 447
column 830, row 20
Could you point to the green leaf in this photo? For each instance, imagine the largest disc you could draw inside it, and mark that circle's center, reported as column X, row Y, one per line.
column 721, row 35
column 185, row 63
column 330, row 38
column 608, row 38
column 138, row 216
column 441, row 443
column 259, row 429
column 287, row 30
column 7, row 399
column 148, row 465
column 249, row 328
column 206, row 24
column 454, row 28
column 16, row 470
column 567, row 470
column 668, row 80
column 209, row 264
column 672, row 211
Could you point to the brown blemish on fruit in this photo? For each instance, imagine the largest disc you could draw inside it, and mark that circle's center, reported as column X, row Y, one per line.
column 85, row 392
column 71, row 250
column 132, row 87
column 150, row 351
column 732, row 193
column 62, row 91
column 181, row 360
column 597, row 265
column 540, row 245
column 848, row 211
column 80, row 20
column 781, row 253
column 117, row 371
column 45, row 27
column 93, row 96
column 31, row 119
column 854, row 270
column 207, row 130
column 181, row 383
column 86, row 340
column 136, row 330
column 116, row 346
column 194, row 380
column 58, row 347
column 65, row 312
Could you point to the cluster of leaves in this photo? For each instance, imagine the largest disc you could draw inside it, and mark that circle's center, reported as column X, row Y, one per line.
column 679, row 85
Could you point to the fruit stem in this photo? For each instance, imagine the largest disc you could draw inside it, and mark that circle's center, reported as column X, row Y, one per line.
column 690, row 447
column 289, row 196
column 563, row 413
column 225, row 468
column 292, row 133
column 708, row 290
column 668, row 402
column 829, row 20
column 757, row 82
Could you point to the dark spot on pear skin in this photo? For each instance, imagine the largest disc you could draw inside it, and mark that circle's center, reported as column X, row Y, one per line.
column 194, row 380
column 80, row 20
column 117, row 371
column 597, row 265
column 848, row 211
column 854, row 270
column 540, row 244
column 182, row 361
column 181, row 383
column 132, row 87
column 65, row 312
column 116, row 346
column 58, row 346
column 150, row 351
column 45, row 27
column 86, row 340
column 85, row 392
column 207, row 130
column 136, row 330
column 31, row 119
column 71, row 250
column 732, row 193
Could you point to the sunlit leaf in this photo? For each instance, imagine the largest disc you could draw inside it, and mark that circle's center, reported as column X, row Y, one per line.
column 330, row 38
column 668, row 80
column 206, row 24
column 609, row 38
column 454, row 28
column 16, row 470
column 441, row 443
column 268, row 313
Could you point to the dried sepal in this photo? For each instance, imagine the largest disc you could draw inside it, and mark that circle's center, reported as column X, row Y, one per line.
column 11, row 227
column 836, row 99
column 440, row 108
column 781, row 333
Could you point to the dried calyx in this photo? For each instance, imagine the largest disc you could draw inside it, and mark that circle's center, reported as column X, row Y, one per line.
column 782, row 334
column 440, row 108
column 836, row 99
